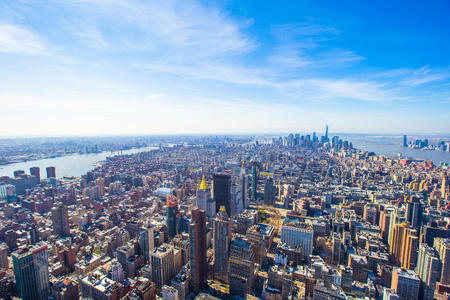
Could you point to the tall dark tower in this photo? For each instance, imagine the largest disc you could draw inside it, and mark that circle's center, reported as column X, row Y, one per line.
column 326, row 132
column 34, row 234
column 405, row 141
column 222, row 191
column 35, row 171
column 51, row 172
column 222, row 239
column 197, row 242
column 414, row 212
column 60, row 220
column 269, row 192
column 171, row 215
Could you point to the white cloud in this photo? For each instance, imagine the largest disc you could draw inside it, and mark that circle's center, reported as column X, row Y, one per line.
column 182, row 30
column 426, row 75
column 174, row 66
column 290, row 58
column 210, row 70
column 19, row 40
column 305, row 34
column 347, row 88
column 339, row 57
column 427, row 79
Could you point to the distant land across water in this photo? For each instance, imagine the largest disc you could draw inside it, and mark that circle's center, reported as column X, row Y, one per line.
column 71, row 165
column 391, row 145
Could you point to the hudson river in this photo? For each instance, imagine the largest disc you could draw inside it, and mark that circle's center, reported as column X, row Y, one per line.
column 71, row 165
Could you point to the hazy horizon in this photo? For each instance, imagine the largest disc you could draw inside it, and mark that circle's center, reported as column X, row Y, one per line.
column 319, row 133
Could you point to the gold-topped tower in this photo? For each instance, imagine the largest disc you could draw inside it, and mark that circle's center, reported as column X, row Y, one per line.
column 203, row 185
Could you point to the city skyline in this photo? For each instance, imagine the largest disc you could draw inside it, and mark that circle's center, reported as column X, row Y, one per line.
column 95, row 67
column 227, row 217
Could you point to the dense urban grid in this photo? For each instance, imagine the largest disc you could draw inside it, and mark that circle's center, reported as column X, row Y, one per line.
column 296, row 217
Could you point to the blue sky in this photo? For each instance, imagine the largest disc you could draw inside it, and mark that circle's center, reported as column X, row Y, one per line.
column 89, row 67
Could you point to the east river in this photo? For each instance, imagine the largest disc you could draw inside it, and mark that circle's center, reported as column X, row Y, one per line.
column 391, row 146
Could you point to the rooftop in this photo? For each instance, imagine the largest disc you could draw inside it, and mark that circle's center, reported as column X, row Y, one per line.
column 241, row 242
column 407, row 273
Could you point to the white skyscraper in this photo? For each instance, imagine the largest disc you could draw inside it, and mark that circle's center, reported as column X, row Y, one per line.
column 295, row 234
column 243, row 181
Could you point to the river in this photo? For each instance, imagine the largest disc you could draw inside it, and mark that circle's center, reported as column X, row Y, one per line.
column 71, row 165
column 391, row 146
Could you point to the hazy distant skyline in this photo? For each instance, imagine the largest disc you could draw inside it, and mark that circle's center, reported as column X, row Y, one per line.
column 94, row 67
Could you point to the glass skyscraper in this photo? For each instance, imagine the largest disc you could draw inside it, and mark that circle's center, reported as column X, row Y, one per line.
column 31, row 272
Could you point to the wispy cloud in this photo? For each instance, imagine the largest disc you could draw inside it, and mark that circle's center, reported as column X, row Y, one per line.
column 414, row 77
column 328, row 90
column 19, row 40
column 212, row 71
column 289, row 57
column 197, row 61
column 306, row 35
column 355, row 89
column 303, row 45
column 426, row 75
column 339, row 57
column 183, row 29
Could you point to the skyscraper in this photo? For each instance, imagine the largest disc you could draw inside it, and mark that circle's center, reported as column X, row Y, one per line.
column 298, row 234
column 31, row 272
column 404, row 246
column 254, row 182
column 222, row 191
column 405, row 283
column 211, row 208
column 237, row 205
column 269, row 192
column 336, row 249
column 197, row 244
column 35, row 171
column 4, row 263
column 162, row 263
column 405, row 141
column 51, row 172
column 146, row 240
column 203, row 195
column 442, row 246
column 60, row 220
column 241, row 267
column 243, row 181
column 222, row 238
column 34, row 234
column 326, row 133
column 171, row 215
column 385, row 220
column 445, row 187
column 428, row 269
column 414, row 213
